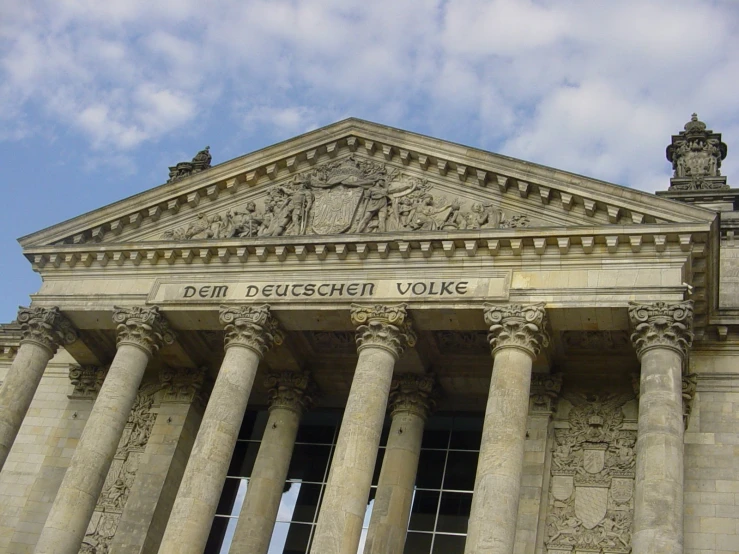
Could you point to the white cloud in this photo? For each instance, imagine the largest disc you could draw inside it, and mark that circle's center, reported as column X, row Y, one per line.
column 591, row 86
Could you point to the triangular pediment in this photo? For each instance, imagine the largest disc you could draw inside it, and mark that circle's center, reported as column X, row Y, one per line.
column 356, row 177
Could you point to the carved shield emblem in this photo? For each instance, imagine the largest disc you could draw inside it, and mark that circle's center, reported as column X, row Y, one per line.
column 334, row 209
column 562, row 486
column 593, row 460
column 590, row 505
column 622, row 489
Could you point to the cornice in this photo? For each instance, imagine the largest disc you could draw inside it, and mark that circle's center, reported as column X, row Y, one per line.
column 689, row 238
column 472, row 167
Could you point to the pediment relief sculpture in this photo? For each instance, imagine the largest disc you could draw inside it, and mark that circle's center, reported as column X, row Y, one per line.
column 348, row 196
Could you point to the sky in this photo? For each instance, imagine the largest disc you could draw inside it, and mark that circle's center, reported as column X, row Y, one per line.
column 97, row 99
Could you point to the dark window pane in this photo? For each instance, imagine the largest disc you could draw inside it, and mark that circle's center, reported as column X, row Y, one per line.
column 318, row 427
column 467, row 433
column 460, row 471
column 243, row 458
column 252, row 427
column 436, row 432
column 304, row 500
column 228, row 497
column 378, row 466
column 417, row 543
column 297, row 539
column 430, row 469
column 448, row 544
column 454, row 511
column 423, row 511
column 385, row 432
column 308, row 463
column 217, row 532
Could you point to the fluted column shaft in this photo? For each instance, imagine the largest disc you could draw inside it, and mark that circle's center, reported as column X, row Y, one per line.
column 517, row 334
column 662, row 336
column 43, row 331
column 290, row 392
column 141, row 331
column 250, row 331
column 382, row 333
column 410, row 402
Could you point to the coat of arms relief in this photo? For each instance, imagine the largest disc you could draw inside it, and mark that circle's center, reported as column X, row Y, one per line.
column 348, row 196
column 592, row 484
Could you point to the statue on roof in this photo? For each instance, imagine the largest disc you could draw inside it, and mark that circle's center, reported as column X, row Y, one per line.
column 199, row 163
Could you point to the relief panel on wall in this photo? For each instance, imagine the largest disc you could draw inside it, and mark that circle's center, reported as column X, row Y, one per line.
column 592, row 478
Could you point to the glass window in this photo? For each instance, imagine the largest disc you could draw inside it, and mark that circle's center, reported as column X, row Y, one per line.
column 460, row 471
column 417, row 543
column 309, row 463
column 454, row 511
column 448, row 544
column 430, row 469
column 243, row 458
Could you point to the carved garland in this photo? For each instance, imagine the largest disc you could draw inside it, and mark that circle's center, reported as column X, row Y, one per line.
column 120, row 478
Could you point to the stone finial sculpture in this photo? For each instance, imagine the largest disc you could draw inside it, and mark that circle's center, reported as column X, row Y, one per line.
column 696, row 155
column 200, row 162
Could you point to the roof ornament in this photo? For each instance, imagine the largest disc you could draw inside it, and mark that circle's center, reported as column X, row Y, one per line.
column 200, row 162
column 696, row 155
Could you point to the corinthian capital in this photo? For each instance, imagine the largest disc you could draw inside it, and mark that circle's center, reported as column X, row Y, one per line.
column 387, row 327
column 251, row 327
column 46, row 327
column 87, row 380
column 412, row 393
column 144, row 327
column 181, row 384
column 291, row 390
column 517, row 326
column 662, row 325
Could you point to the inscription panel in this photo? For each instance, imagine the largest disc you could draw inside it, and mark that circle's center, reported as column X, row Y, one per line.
column 427, row 290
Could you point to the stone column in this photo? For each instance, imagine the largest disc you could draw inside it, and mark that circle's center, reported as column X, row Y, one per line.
column 250, row 332
column 290, row 393
column 517, row 333
column 141, row 332
column 411, row 400
column 662, row 336
column 43, row 331
column 382, row 334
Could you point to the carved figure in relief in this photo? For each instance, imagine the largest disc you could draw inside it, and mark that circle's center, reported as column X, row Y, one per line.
column 348, row 196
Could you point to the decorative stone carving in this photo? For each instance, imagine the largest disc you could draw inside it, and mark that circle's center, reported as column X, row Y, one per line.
column 291, row 390
column 517, row 326
column 87, row 381
column 250, row 326
column 120, row 478
column 387, row 327
column 144, row 327
column 696, row 155
column 592, row 486
column 690, row 384
column 462, row 342
column 595, row 341
column 200, row 162
column 182, row 384
column 347, row 196
column 545, row 389
column 413, row 393
column 663, row 325
column 46, row 327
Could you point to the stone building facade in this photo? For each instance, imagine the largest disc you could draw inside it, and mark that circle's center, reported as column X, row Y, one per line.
column 366, row 340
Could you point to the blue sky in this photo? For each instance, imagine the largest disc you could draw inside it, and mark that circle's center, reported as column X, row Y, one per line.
column 98, row 98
